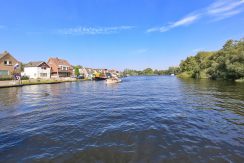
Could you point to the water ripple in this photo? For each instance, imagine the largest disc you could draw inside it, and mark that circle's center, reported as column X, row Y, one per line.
column 143, row 119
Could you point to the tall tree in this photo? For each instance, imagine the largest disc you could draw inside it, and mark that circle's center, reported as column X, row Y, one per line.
column 77, row 71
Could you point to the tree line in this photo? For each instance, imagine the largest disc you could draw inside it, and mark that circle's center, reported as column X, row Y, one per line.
column 226, row 63
column 150, row 71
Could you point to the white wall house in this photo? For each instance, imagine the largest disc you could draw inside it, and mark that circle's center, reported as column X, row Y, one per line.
column 35, row 70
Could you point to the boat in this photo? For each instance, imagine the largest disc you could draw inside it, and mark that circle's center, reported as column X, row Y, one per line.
column 172, row 74
column 113, row 80
column 100, row 78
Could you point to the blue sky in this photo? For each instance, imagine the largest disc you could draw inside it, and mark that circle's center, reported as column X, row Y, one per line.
column 118, row 34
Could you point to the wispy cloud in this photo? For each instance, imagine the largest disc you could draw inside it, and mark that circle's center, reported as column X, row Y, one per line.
column 219, row 10
column 220, row 7
column 182, row 22
column 94, row 30
column 224, row 9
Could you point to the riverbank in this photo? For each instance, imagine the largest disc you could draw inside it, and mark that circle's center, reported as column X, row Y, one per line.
column 203, row 75
column 11, row 83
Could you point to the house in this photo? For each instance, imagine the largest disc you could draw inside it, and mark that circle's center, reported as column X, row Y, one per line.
column 7, row 64
column 114, row 72
column 83, row 71
column 37, row 70
column 86, row 72
column 60, row 68
column 100, row 70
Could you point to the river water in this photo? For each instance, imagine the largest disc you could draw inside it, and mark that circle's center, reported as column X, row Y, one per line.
column 142, row 119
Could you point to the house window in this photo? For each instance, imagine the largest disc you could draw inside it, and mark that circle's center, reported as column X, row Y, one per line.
column 4, row 72
column 7, row 63
column 44, row 68
column 43, row 74
column 65, row 68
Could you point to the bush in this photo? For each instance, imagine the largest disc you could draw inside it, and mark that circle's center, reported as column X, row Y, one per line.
column 6, row 77
column 25, row 78
column 186, row 74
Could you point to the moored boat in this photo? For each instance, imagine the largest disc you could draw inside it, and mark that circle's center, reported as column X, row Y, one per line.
column 100, row 78
column 113, row 80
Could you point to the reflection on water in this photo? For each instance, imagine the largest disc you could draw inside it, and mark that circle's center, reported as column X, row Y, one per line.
column 221, row 95
column 9, row 96
column 143, row 119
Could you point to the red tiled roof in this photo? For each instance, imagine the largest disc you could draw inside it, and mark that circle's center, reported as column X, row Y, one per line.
column 59, row 61
column 55, row 62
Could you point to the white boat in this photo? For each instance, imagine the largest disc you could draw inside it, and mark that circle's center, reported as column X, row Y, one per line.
column 113, row 80
column 172, row 74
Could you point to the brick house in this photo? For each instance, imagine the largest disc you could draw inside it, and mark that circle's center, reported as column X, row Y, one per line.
column 60, row 68
column 7, row 63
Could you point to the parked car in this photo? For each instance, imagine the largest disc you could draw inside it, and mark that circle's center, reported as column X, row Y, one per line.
column 80, row 77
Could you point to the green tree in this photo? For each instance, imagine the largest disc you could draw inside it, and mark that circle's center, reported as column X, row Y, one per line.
column 226, row 63
column 148, row 71
column 156, row 72
column 77, row 72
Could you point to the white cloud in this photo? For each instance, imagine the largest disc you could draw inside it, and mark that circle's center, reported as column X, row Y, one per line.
column 94, row 30
column 221, row 7
column 182, row 22
column 185, row 21
column 224, row 9
column 219, row 10
column 154, row 29
column 227, row 15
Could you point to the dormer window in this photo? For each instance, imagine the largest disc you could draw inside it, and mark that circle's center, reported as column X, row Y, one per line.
column 7, row 63
column 63, row 67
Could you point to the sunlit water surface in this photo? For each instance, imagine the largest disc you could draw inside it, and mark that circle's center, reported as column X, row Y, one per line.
column 142, row 119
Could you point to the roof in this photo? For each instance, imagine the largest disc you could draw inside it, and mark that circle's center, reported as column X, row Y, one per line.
column 59, row 61
column 3, row 54
column 34, row 64
column 7, row 53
